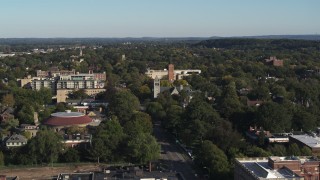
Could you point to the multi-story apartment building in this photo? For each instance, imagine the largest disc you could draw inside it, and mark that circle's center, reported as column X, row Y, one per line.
column 64, row 82
column 37, row 84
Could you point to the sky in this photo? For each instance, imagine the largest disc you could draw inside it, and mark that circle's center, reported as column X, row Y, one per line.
column 157, row 18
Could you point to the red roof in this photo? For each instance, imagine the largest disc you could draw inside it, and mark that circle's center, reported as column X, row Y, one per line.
column 67, row 121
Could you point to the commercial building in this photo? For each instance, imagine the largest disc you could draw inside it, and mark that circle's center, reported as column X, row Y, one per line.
column 280, row 168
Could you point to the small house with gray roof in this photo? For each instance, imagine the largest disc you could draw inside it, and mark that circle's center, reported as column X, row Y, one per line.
column 15, row 140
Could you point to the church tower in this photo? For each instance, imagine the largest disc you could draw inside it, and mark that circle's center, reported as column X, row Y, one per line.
column 80, row 54
column 156, row 87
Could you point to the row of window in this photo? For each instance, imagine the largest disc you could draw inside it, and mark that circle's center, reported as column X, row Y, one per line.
column 15, row 143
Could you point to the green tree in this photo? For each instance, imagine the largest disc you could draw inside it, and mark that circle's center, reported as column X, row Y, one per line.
column 156, row 110
column 273, row 117
column 304, row 120
column 143, row 148
column 61, row 107
column 98, row 150
column 107, row 139
column 71, row 155
column 45, row 113
column 144, row 91
column 229, row 102
column 306, row 151
column 83, row 68
column 200, row 118
column 27, row 134
column 294, row 150
column 278, row 150
column 224, row 135
column 201, row 110
column 45, row 96
column 261, row 92
column 8, row 100
column 123, row 104
column 78, row 94
column 10, row 123
column 173, row 120
column 254, row 151
column 214, row 159
column 143, row 120
column 180, row 82
column 45, row 147
column 26, row 114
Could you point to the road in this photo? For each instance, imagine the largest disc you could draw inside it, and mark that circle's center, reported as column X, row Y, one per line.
column 172, row 155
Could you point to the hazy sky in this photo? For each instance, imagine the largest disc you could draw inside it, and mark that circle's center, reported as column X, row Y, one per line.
column 157, row 18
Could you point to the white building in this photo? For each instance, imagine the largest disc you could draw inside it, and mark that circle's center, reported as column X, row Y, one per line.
column 15, row 140
column 179, row 74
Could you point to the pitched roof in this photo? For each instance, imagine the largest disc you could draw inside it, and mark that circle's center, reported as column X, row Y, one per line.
column 16, row 138
column 8, row 110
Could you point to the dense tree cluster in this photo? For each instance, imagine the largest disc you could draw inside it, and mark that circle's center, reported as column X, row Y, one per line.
column 212, row 121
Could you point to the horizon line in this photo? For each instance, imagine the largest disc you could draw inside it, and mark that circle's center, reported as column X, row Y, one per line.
column 157, row 37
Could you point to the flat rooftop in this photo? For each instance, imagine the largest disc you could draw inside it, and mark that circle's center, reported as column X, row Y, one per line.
column 311, row 141
column 260, row 168
column 67, row 114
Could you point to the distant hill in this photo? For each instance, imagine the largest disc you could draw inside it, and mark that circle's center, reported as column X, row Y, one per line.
column 302, row 37
column 103, row 41
column 255, row 43
column 95, row 41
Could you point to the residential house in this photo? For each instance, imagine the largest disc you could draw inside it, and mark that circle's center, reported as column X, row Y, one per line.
column 7, row 114
column 32, row 129
column 15, row 140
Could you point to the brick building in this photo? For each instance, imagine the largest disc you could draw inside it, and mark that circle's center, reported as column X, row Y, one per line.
column 280, row 168
column 171, row 73
column 274, row 61
column 171, row 77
